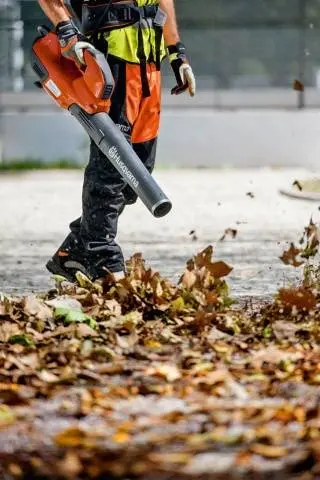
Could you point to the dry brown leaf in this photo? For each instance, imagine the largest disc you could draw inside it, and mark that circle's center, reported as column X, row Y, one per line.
column 270, row 451
column 212, row 298
column 170, row 458
column 35, row 307
column 229, row 232
column 13, row 394
column 60, row 331
column 168, row 371
column 7, row 330
column 215, row 335
column 273, row 355
column 298, row 86
column 199, row 296
column 48, row 377
column 129, row 321
column 31, row 360
column 237, row 390
column 152, row 343
column 211, row 462
column 81, row 330
column 127, row 341
column 289, row 257
column 300, row 298
column 188, row 279
column 71, row 437
column 203, row 259
column 64, row 301
column 284, row 330
column 211, row 378
column 310, row 240
column 15, row 470
column 7, row 416
column 114, row 307
column 70, row 466
column 121, row 437
column 219, row 269
column 168, row 336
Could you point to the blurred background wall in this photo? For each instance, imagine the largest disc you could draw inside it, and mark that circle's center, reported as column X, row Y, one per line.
column 246, row 55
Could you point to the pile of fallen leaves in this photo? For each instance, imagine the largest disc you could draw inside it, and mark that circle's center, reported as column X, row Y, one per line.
column 144, row 379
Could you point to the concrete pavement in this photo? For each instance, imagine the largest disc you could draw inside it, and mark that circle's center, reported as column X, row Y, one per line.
column 35, row 209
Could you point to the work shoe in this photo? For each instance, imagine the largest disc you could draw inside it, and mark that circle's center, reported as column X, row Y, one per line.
column 67, row 265
column 92, row 261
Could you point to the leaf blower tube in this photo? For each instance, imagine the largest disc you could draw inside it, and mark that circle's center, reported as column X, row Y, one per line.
column 113, row 144
column 86, row 93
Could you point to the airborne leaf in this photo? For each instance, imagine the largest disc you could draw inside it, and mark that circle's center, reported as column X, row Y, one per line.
column 219, row 269
column 289, row 257
column 229, row 232
column 298, row 86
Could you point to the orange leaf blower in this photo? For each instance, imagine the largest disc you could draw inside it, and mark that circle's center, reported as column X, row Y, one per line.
column 86, row 92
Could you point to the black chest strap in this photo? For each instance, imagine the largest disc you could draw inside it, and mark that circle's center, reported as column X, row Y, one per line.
column 97, row 18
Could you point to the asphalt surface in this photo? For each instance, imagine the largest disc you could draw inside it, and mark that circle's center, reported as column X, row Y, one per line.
column 36, row 208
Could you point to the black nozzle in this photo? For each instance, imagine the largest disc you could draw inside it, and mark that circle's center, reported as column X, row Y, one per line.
column 162, row 208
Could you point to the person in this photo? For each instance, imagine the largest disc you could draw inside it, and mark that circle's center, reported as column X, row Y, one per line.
column 135, row 36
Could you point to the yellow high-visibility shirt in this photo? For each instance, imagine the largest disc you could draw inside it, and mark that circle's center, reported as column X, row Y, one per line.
column 123, row 43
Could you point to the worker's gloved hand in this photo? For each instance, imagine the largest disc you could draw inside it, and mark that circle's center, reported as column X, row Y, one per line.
column 72, row 42
column 182, row 70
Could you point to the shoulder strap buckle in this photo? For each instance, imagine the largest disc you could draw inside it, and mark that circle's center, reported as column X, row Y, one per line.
column 160, row 18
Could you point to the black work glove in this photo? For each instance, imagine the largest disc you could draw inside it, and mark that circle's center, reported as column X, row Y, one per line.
column 72, row 42
column 182, row 70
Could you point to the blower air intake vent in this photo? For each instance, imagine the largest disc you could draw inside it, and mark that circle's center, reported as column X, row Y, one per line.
column 108, row 89
column 38, row 68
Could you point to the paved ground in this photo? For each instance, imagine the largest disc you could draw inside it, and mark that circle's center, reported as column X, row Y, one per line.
column 37, row 207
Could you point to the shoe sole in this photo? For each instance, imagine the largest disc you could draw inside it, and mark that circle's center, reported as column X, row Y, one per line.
column 57, row 270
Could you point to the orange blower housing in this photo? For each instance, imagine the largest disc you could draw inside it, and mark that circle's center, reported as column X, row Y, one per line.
column 90, row 87
column 85, row 92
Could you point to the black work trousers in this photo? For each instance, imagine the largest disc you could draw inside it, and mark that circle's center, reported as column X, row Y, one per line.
column 105, row 192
